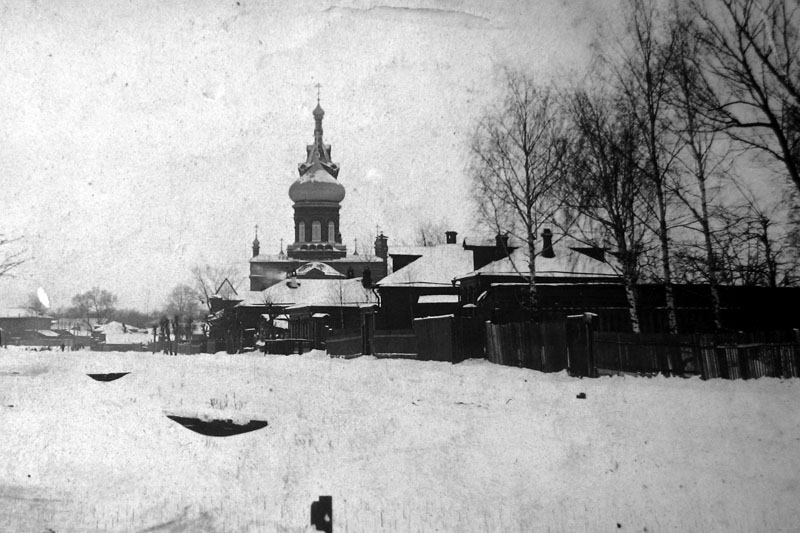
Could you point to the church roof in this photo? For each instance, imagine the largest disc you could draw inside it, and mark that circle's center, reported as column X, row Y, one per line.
column 316, row 185
column 313, row 292
column 322, row 268
column 317, row 181
column 350, row 258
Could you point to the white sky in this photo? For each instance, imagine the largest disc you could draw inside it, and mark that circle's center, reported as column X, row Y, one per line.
column 140, row 139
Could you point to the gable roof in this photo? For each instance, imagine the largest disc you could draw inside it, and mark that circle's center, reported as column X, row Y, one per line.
column 568, row 263
column 439, row 265
column 313, row 292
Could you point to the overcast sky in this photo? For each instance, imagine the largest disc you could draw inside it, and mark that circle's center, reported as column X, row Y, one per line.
column 139, row 139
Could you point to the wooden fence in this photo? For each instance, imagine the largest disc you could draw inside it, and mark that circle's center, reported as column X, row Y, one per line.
column 524, row 344
column 448, row 338
column 344, row 342
column 729, row 356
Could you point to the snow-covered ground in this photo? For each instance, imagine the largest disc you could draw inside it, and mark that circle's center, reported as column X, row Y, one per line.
column 400, row 445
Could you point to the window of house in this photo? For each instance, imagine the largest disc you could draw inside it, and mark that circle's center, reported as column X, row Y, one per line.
column 301, row 232
column 331, row 232
column 316, row 231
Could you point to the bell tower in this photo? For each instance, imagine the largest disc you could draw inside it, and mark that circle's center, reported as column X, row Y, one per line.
column 317, row 196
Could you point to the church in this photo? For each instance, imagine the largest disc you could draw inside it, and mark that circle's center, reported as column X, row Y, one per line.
column 317, row 251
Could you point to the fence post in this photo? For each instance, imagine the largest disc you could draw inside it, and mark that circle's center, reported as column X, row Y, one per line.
column 698, row 357
column 796, row 350
column 580, row 345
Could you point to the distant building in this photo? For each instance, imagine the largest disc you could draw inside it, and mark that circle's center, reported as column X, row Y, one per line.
column 315, row 274
column 118, row 337
column 23, row 327
column 316, row 195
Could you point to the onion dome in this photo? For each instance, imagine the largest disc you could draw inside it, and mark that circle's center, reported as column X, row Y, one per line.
column 317, row 181
column 316, row 185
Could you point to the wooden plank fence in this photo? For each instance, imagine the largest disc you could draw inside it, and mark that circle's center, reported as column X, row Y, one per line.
column 448, row 338
column 727, row 356
column 539, row 346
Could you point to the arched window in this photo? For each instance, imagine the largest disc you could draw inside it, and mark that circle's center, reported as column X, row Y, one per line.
column 331, row 231
column 301, row 231
column 316, row 231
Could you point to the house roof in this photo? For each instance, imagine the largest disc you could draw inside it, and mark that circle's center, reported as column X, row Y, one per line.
column 409, row 250
column 20, row 312
column 566, row 264
column 312, row 292
column 119, row 333
column 439, row 265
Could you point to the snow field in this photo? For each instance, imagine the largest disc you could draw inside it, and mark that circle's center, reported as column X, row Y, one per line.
column 400, row 445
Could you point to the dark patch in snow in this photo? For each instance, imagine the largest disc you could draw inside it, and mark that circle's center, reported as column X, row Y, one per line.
column 322, row 514
column 581, row 396
column 217, row 428
column 108, row 377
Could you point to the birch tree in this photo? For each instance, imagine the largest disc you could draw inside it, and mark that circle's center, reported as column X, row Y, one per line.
column 643, row 77
column 607, row 188
column 705, row 158
column 518, row 165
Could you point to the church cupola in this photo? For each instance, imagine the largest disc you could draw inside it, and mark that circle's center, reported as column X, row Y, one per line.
column 317, row 195
column 256, row 244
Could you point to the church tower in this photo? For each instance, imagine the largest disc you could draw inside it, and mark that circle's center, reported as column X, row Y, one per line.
column 317, row 195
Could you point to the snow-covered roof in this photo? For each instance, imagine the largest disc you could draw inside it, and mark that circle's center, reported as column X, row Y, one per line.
column 19, row 312
column 316, row 292
column 438, row 266
column 324, row 269
column 409, row 250
column 47, row 332
column 119, row 333
column 438, row 299
column 266, row 258
column 566, row 263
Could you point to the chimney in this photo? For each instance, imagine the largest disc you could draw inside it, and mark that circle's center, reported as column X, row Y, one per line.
column 382, row 246
column 450, row 237
column 547, row 243
column 502, row 242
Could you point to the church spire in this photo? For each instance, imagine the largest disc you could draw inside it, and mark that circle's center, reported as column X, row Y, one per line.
column 318, row 153
column 256, row 244
column 319, row 114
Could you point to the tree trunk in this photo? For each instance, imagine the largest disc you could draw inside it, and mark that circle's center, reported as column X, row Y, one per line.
column 669, row 296
column 533, row 300
column 633, row 306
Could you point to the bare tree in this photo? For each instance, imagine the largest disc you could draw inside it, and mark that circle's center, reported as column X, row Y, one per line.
column 757, row 251
column 10, row 258
column 430, row 232
column 705, row 158
column 752, row 58
column 35, row 305
column 95, row 304
column 643, row 77
column 518, row 165
column 210, row 280
column 184, row 302
column 606, row 187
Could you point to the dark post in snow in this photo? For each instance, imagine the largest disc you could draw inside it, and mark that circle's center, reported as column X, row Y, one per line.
column 322, row 514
